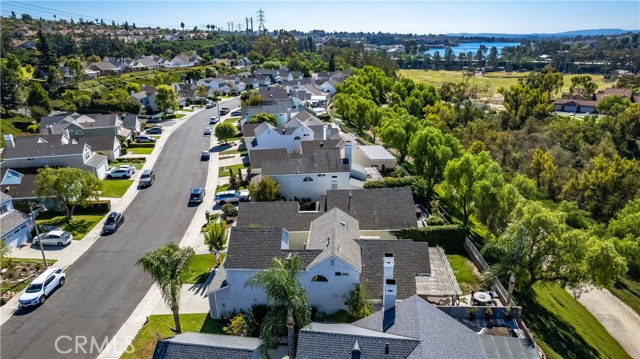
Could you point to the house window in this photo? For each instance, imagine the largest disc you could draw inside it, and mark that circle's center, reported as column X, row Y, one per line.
column 321, row 175
column 334, row 176
column 342, row 274
column 297, row 137
column 319, row 278
column 306, row 134
column 307, row 179
column 4, row 208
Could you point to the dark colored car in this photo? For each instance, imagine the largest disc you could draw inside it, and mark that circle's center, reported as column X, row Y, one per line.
column 197, row 195
column 236, row 113
column 113, row 222
column 154, row 131
column 224, row 111
column 205, row 155
column 147, row 178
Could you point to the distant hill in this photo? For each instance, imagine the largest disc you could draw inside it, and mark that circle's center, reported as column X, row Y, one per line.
column 591, row 32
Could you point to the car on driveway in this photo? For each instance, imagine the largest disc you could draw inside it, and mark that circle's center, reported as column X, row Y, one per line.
column 232, row 197
column 205, row 155
column 113, row 222
column 147, row 178
column 54, row 238
column 213, row 120
column 224, row 111
column 144, row 139
column 41, row 287
column 236, row 113
column 119, row 173
column 154, row 131
column 197, row 195
column 209, row 104
column 129, row 168
column 208, row 131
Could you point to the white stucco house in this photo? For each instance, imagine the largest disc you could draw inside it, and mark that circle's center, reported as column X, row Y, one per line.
column 375, row 155
column 15, row 226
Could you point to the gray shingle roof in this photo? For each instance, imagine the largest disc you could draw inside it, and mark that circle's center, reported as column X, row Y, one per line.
column 440, row 335
column 41, row 146
column 375, row 208
column 335, row 233
column 198, row 345
column 277, row 215
column 11, row 220
column 410, row 258
column 323, row 160
column 254, row 248
column 22, row 190
column 273, row 93
column 99, row 143
column 309, row 147
column 248, row 129
column 320, row 341
column 259, row 156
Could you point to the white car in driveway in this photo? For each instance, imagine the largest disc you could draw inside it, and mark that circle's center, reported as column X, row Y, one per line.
column 232, row 197
column 119, row 173
column 41, row 287
column 54, row 238
column 129, row 168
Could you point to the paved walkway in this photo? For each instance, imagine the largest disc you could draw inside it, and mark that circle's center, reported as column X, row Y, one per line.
column 68, row 255
column 622, row 322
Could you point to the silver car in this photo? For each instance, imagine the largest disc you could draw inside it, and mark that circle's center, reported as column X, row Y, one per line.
column 54, row 238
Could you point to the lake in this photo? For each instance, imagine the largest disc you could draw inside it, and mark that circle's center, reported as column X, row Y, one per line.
column 473, row 47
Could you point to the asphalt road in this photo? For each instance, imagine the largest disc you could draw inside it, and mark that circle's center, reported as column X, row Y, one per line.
column 104, row 285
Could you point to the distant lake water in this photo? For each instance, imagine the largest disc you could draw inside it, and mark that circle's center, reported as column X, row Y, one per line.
column 473, row 47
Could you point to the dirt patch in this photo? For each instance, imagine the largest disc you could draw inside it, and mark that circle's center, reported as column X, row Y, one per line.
column 498, row 332
column 16, row 276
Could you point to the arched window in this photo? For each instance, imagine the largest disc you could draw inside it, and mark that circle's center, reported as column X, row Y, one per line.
column 319, row 278
column 307, row 179
column 296, row 138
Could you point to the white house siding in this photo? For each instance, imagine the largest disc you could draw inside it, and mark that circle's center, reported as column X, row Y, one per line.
column 101, row 170
column 74, row 160
column 293, row 185
column 235, row 297
column 361, row 158
column 19, row 236
column 270, row 139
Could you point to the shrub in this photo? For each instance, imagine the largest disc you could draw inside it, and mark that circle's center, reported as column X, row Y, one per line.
column 435, row 221
column 450, row 237
column 229, row 210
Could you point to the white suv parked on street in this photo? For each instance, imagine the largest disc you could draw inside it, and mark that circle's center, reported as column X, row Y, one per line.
column 41, row 287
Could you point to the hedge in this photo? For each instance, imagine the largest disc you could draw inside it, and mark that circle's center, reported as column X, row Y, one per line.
column 450, row 237
column 390, row 182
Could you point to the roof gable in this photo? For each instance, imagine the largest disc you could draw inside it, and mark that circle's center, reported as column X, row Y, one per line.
column 335, row 233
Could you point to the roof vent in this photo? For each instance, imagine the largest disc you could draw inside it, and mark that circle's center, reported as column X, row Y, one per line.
column 327, row 245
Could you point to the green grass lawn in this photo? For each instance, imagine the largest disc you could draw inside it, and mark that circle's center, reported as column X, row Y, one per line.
column 564, row 328
column 628, row 290
column 79, row 225
column 463, row 270
column 15, row 125
column 157, row 326
column 115, row 187
column 137, row 163
column 232, row 119
column 488, row 84
column 223, row 171
column 141, row 148
column 199, row 268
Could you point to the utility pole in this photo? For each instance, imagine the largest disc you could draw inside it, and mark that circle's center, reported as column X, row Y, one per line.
column 32, row 206
column 251, row 22
column 239, row 27
column 246, row 20
column 261, row 21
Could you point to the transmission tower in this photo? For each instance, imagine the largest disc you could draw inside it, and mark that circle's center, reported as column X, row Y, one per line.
column 261, row 21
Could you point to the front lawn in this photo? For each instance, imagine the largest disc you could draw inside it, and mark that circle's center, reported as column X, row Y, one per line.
column 628, row 290
column 232, row 119
column 141, row 148
column 463, row 270
column 79, row 225
column 157, row 326
column 138, row 163
column 564, row 328
column 223, row 171
column 14, row 124
column 199, row 268
column 115, row 188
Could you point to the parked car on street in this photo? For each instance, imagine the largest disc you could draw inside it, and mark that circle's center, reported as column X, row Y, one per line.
column 113, row 222
column 54, row 238
column 224, row 111
column 197, row 195
column 232, row 197
column 236, row 113
column 129, row 168
column 209, row 104
column 154, row 131
column 147, row 178
column 205, row 155
column 119, row 173
column 213, row 120
column 144, row 138
column 41, row 287
column 208, row 131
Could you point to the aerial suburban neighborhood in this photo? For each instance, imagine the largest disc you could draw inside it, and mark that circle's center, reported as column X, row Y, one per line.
column 197, row 188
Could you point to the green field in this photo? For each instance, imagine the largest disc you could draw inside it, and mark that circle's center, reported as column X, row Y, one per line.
column 115, row 188
column 488, row 84
column 79, row 225
column 628, row 290
column 564, row 328
column 157, row 327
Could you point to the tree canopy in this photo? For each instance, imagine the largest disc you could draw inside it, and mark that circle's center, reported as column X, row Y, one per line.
column 69, row 186
column 225, row 131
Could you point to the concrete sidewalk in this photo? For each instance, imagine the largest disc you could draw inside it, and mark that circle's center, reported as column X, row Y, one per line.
column 72, row 252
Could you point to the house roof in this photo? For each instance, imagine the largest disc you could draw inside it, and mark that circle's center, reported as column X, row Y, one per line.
column 4, row 197
column 281, row 214
column 440, row 335
column 139, row 95
column 307, row 119
column 11, row 220
column 95, row 121
column 249, row 80
column 364, row 205
column 130, row 120
column 41, row 146
column 199, row 345
column 576, row 102
column 376, row 152
column 20, row 186
column 259, row 156
column 273, row 93
column 624, row 92
column 323, row 160
column 307, row 147
column 322, row 340
column 99, row 143
column 254, row 248
column 313, row 89
column 103, row 66
column 248, row 129
column 96, row 160
column 410, row 259
column 334, row 234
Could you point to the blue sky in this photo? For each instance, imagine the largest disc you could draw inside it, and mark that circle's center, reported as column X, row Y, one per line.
column 419, row 17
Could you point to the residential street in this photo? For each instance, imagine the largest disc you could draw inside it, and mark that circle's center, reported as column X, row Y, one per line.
column 104, row 285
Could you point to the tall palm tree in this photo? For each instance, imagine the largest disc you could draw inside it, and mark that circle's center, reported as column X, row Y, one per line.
column 166, row 266
column 288, row 300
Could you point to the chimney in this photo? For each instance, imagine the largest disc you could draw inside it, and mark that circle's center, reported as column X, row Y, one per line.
column 8, row 139
column 356, row 353
column 321, row 144
column 284, row 130
column 325, row 129
column 49, row 130
column 347, row 151
column 284, row 242
column 288, row 114
column 387, row 272
column 389, row 295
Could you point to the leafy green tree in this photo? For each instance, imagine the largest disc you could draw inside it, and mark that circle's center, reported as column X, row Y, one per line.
column 38, row 96
column 225, row 131
column 70, row 187
column 613, row 105
column 160, row 78
column 397, row 132
column 265, row 190
column 75, row 68
column 583, row 86
column 46, row 56
column 286, row 296
column 431, row 150
column 166, row 98
column 133, row 86
column 12, row 84
column 523, row 102
column 544, row 171
column 215, row 235
column 201, row 92
column 167, row 266
column 625, row 228
column 549, row 81
column 237, row 326
column 54, row 77
column 624, row 128
column 263, row 117
column 251, row 98
column 358, row 304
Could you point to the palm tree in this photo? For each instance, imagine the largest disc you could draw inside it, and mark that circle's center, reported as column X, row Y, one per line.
column 288, row 300
column 166, row 266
